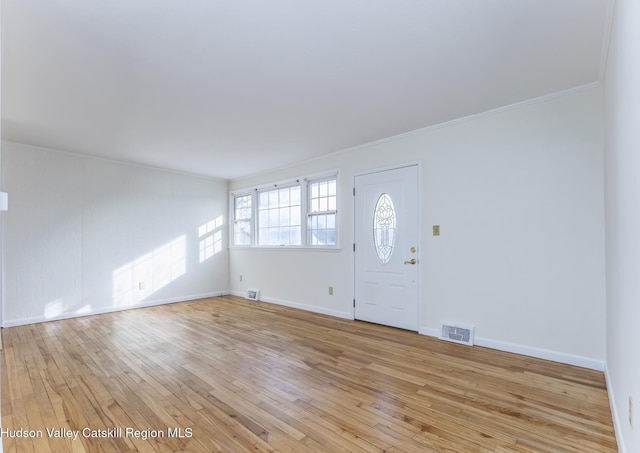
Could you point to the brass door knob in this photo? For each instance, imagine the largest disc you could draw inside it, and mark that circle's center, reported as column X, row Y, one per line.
column 412, row 261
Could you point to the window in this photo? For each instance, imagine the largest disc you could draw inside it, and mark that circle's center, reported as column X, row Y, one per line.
column 279, row 220
column 301, row 213
column 321, row 216
column 242, row 220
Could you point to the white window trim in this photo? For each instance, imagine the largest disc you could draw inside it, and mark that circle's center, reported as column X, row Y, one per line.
column 308, row 212
column 232, row 216
column 303, row 182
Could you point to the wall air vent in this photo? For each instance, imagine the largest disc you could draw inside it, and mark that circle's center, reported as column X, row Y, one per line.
column 457, row 333
column 253, row 294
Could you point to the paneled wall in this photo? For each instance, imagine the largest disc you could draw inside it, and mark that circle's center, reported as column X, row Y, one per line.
column 85, row 235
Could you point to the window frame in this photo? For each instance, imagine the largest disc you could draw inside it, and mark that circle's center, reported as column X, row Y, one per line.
column 304, row 184
column 257, row 224
column 250, row 220
column 310, row 213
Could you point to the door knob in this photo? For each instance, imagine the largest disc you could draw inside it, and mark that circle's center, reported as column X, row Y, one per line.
column 412, row 261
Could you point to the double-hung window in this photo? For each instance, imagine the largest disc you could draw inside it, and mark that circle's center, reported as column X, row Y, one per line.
column 242, row 220
column 302, row 213
column 322, row 212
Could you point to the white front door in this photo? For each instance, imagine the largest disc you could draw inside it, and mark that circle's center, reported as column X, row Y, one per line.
column 386, row 247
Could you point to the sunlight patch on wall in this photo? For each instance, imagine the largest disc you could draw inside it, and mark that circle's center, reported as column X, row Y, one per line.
column 210, row 235
column 145, row 275
column 53, row 309
column 84, row 310
column 57, row 307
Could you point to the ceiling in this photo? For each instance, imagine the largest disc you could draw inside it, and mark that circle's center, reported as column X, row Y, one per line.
column 230, row 88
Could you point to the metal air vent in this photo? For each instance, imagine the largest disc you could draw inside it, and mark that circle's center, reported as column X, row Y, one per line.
column 457, row 333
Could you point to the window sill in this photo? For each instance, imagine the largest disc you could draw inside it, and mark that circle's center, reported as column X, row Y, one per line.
column 289, row 248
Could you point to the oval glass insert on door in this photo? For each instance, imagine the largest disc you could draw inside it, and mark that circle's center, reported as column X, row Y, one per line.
column 384, row 228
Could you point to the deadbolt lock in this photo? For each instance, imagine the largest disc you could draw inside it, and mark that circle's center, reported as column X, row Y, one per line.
column 413, row 250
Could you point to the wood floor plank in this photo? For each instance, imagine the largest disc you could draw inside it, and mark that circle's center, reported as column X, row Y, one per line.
column 230, row 375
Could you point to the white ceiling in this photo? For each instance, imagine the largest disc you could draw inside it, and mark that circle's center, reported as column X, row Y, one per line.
column 230, row 88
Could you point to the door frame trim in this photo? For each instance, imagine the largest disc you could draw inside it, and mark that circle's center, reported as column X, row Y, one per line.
column 413, row 163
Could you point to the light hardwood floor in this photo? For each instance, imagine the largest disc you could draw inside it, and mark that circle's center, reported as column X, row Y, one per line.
column 249, row 376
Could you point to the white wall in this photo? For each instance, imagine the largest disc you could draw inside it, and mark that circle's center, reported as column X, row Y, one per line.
column 622, row 95
column 82, row 233
column 519, row 197
column 1, row 188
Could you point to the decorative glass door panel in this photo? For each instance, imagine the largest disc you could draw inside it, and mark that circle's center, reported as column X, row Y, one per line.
column 384, row 228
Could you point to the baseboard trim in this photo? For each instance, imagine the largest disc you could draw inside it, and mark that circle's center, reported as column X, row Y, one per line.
column 151, row 303
column 290, row 304
column 617, row 424
column 555, row 356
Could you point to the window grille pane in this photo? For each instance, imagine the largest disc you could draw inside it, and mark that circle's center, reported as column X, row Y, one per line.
column 295, row 195
column 263, row 221
column 332, row 188
column 322, row 222
column 331, row 221
column 332, row 203
column 273, row 199
column 296, row 214
column 296, row 235
column 283, row 234
column 284, row 216
column 274, row 219
column 273, row 236
column 243, row 207
column 242, row 233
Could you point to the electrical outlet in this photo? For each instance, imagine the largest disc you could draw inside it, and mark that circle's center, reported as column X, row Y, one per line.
column 331, row 290
column 141, row 286
column 240, row 277
column 631, row 412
